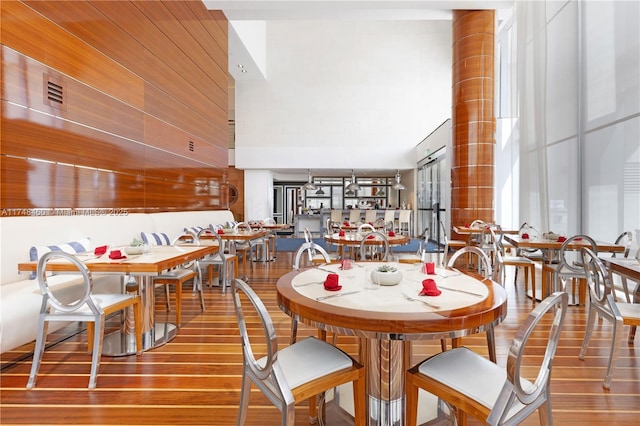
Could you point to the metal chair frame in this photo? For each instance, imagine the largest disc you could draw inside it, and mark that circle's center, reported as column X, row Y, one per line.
column 77, row 302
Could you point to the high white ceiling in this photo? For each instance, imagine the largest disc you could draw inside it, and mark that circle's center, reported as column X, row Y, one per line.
column 269, row 10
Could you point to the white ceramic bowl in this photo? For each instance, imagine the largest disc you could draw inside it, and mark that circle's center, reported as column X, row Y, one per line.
column 387, row 278
column 133, row 249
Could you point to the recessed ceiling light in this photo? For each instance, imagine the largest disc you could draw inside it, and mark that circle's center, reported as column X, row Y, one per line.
column 240, row 66
column 244, row 70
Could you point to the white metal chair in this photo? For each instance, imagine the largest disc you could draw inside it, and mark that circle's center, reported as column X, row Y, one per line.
column 313, row 251
column 354, row 216
column 365, row 227
column 227, row 263
column 502, row 260
column 568, row 268
column 625, row 239
column 602, row 303
column 390, row 218
column 244, row 247
column 179, row 275
column 404, row 222
column 292, row 374
column 370, row 216
column 449, row 244
column 486, row 391
column 374, row 246
column 421, row 254
column 484, row 266
column 77, row 302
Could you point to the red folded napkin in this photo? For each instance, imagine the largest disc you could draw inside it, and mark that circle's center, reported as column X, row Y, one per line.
column 525, row 236
column 99, row 251
column 429, row 288
column 116, row 254
column 220, row 231
column 562, row 239
column 371, row 237
column 341, row 233
column 579, row 239
column 345, row 264
column 392, row 234
column 331, row 283
column 429, row 268
column 346, row 223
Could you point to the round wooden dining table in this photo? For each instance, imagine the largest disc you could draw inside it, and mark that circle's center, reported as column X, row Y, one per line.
column 389, row 318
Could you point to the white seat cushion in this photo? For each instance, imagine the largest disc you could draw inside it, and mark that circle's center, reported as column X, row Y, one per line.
column 309, row 359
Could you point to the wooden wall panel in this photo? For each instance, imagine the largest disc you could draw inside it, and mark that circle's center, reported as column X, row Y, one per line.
column 144, row 125
column 33, row 35
column 167, row 109
column 37, row 135
column 24, row 81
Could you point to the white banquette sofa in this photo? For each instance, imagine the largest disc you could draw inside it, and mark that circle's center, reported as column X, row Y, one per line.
column 20, row 296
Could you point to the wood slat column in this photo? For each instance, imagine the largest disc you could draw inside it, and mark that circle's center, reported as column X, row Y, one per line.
column 472, row 160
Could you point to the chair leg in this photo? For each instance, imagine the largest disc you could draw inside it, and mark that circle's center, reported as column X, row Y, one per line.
column 411, row 401
column 491, row 343
column 166, row 293
column 359, row 397
column 38, row 351
column 613, row 356
column 533, row 282
column 97, row 351
column 294, row 330
column 245, row 394
column 178, row 304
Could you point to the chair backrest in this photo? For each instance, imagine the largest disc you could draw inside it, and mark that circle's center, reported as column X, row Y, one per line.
column 443, row 232
column 566, row 261
column 517, row 388
column 625, row 239
column 423, row 244
column 354, row 216
column 598, row 280
column 404, row 216
column 482, row 258
column 207, row 231
column 370, row 247
column 67, row 298
column 365, row 227
column 269, row 221
column 389, row 216
column 241, row 226
column 261, row 367
column 311, row 249
column 370, row 216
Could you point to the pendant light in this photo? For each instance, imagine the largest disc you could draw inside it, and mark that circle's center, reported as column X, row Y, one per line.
column 319, row 191
column 309, row 186
column 353, row 186
column 398, row 185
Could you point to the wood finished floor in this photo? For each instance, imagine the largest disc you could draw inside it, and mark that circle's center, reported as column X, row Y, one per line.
column 195, row 379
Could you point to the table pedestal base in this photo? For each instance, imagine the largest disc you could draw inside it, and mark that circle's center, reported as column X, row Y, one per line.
column 120, row 343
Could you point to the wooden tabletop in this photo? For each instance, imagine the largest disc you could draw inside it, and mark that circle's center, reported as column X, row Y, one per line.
column 354, row 240
column 629, row 267
column 546, row 244
column 385, row 313
column 244, row 235
column 160, row 259
column 465, row 230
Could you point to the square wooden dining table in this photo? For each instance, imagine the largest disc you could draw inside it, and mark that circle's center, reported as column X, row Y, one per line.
column 143, row 268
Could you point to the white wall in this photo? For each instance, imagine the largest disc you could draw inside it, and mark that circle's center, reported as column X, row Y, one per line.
column 258, row 198
column 344, row 94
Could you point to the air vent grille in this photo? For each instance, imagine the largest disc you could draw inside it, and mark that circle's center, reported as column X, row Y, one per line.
column 54, row 92
column 191, row 146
